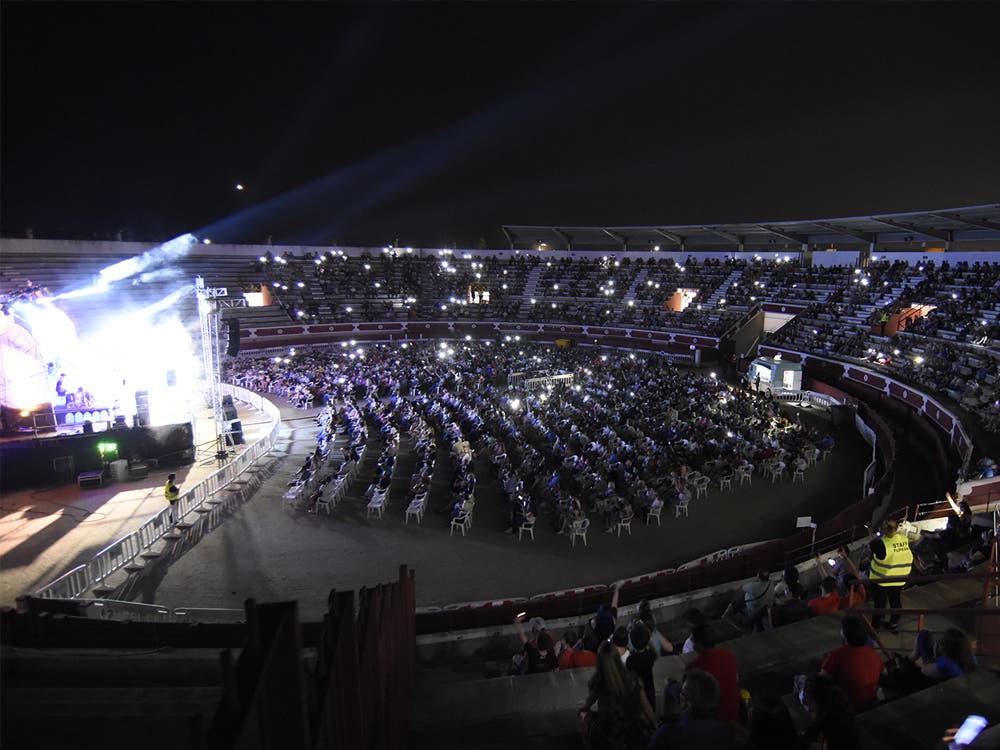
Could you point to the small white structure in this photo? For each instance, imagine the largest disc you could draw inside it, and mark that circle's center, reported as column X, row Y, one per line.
column 775, row 374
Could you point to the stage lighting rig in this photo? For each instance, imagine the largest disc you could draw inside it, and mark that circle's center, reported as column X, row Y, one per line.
column 211, row 302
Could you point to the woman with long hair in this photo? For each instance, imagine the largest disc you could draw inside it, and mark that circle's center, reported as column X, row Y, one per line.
column 623, row 719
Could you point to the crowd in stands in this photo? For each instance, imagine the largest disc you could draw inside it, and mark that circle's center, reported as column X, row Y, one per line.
column 947, row 312
column 946, row 337
column 398, row 285
column 708, row 707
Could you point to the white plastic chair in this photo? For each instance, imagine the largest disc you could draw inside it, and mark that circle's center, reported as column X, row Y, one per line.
column 745, row 474
column 460, row 522
column 654, row 512
column 625, row 522
column 376, row 504
column 579, row 529
column 323, row 504
column 416, row 509
column 800, row 470
column 726, row 483
column 529, row 526
column 701, row 486
column 682, row 505
column 292, row 495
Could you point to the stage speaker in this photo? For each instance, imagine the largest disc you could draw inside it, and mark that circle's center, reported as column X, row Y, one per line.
column 235, row 436
column 142, row 408
column 234, row 338
column 229, row 412
column 227, row 400
column 64, row 468
column 40, row 418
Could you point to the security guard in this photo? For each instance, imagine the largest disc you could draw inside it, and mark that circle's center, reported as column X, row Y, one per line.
column 891, row 558
column 171, row 493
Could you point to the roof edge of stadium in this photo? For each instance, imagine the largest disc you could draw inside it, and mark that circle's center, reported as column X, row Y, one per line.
column 991, row 221
column 946, row 225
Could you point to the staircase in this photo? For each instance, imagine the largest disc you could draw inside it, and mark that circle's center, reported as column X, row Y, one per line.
column 531, row 288
column 640, row 278
column 720, row 292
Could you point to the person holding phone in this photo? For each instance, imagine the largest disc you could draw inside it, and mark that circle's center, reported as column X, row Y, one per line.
column 972, row 730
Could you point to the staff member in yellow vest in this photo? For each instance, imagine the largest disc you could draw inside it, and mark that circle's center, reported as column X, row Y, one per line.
column 891, row 558
column 171, row 493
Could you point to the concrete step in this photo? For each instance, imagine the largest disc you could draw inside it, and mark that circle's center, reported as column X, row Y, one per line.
column 43, row 702
column 552, row 730
column 182, row 671
column 921, row 719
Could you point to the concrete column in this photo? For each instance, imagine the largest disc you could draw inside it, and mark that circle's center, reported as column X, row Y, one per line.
column 865, row 256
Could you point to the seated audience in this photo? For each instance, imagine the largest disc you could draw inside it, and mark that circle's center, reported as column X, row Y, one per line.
column 572, row 653
column 721, row 664
column 697, row 727
column 855, row 666
column 793, row 609
column 829, row 600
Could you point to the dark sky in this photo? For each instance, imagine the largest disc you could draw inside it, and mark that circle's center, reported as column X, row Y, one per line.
column 435, row 124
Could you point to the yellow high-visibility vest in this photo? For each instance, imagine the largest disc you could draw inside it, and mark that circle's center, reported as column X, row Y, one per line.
column 171, row 492
column 897, row 561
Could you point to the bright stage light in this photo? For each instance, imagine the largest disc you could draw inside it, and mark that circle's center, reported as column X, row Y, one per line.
column 239, row 186
column 158, row 256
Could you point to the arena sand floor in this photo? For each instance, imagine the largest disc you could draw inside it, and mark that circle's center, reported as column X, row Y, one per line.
column 271, row 553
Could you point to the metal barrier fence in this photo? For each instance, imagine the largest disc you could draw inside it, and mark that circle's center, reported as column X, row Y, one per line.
column 120, row 553
column 805, row 397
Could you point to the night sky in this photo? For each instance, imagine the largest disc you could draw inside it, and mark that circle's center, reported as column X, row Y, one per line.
column 435, row 124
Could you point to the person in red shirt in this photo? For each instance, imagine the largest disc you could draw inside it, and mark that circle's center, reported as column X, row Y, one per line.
column 721, row 664
column 572, row 654
column 856, row 667
column 856, row 593
column 829, row 601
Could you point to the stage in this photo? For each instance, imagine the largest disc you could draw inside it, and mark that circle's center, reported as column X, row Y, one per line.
column 50, row 529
